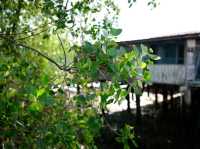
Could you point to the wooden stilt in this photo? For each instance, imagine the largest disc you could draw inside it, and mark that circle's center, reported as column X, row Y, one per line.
column 78, row 89
column 128, row 103
column 138, row 109
column 156, row 98
column 164, row 104
column 172, row 98
column 148, row 91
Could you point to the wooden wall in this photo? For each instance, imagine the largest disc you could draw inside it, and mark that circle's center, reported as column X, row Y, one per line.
column 168, row 74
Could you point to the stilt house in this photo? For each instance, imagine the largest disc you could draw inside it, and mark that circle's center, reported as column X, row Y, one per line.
column 178, row 70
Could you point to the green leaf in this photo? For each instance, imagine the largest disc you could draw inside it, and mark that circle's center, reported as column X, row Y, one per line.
column 111, row 68
column 143, row 65
column 35, row 107
column 104, row 97
column 40, row 92
column 123, row 93
column 112, row 52
column 147, row 76
column 46, row 100
column 45, row 79
column 154, row 57
column 139, row 82
column 88, row 47
column 126, row 134
column 116, row 31
column 150, row 50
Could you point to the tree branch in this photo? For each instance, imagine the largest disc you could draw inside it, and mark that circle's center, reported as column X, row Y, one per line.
column 61, row 67
column 33, row 34
column 45, row 56
column 65, row 57
column 66, row 5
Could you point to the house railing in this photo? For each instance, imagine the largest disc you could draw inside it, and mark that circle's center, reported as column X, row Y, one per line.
column 168, row 74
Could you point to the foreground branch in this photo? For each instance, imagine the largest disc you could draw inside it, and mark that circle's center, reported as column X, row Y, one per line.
column 62, row 45
column 64, row 68
column 61, row 67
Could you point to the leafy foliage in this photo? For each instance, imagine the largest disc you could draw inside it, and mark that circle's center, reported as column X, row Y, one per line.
column 126, row 135
column 49, row 45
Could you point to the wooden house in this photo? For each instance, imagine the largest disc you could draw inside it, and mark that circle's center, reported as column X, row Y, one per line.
column 178, row 70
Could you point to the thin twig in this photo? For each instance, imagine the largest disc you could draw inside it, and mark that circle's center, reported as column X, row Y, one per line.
column 64, row 68
column 45, row 56
column 61, row 43
column 33, row 34
column 41, row 54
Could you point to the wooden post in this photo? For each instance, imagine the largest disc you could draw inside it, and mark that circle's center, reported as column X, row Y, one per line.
column 195, row 115
column 156, row 97
column 78, row 89
column 171, row 98
column 187, row 99
column 148, row 90
column 138, row 109
column 190, row 68
column 128, row 102
column 164, row 104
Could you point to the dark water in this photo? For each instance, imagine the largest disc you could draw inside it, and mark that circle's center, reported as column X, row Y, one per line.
column 172, row 129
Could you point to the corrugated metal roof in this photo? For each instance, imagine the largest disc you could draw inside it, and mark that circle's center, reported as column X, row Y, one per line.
column 178, row 36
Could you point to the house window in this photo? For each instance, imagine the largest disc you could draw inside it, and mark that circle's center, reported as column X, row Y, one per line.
column 180, row 58
column 170, row 53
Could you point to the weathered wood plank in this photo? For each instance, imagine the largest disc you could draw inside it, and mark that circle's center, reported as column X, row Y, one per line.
column 168, row 74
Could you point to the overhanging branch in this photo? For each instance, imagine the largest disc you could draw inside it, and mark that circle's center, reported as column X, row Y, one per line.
column 62, row 45
column 68, row 68
column 45, row 56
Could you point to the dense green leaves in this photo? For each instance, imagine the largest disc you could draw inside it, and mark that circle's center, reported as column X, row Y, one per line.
column 38, row 71
column 126, row 135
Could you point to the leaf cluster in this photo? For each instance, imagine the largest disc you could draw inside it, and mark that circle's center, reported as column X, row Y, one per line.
column 38, row 110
